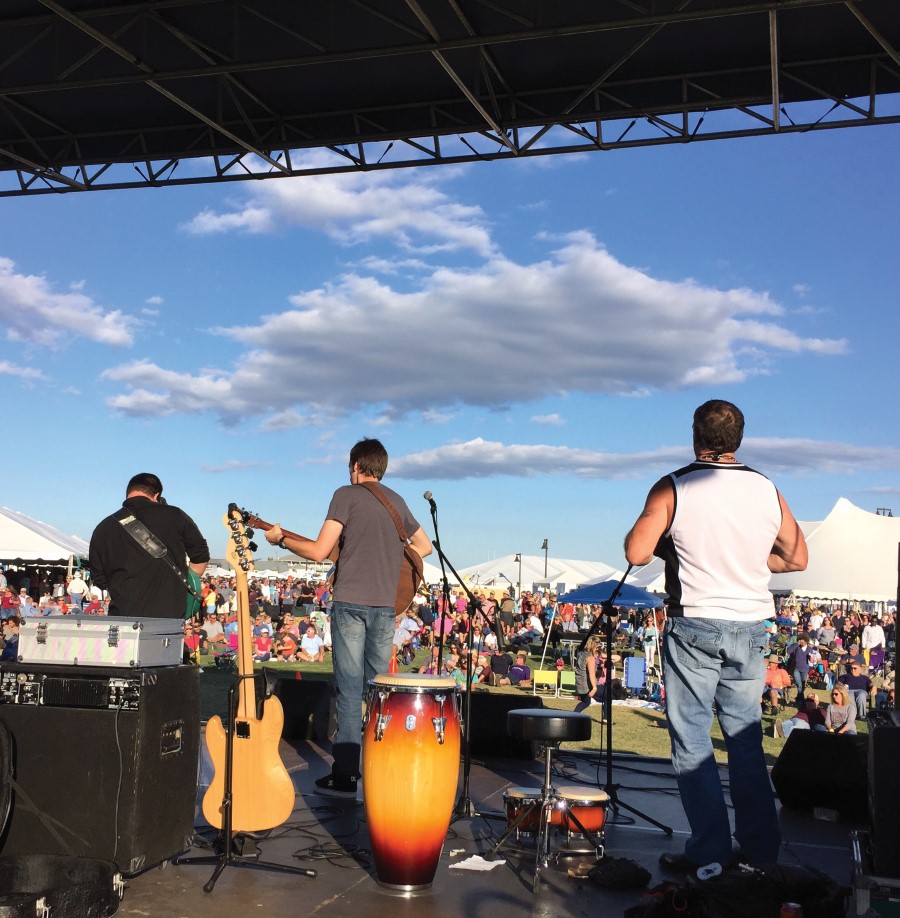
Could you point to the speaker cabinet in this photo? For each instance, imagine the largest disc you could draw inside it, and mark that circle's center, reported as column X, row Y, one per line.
column 104, row 762
column 488, row 737
column 823, row 770
column 884, row 799
column 309, row 708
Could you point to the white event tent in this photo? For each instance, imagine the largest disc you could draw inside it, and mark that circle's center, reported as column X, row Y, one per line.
column 23, row 539
column 853, row 555
column 562, row 573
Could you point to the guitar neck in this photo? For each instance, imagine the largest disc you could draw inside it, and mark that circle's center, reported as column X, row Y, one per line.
column 259, row 523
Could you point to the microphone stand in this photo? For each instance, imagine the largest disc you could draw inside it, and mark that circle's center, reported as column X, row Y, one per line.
column 445, row 586
column 606, row 619
column 464, row 806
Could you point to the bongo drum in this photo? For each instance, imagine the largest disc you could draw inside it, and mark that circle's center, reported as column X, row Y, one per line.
column 588, row 805
column 517, row 799
column 410, row 769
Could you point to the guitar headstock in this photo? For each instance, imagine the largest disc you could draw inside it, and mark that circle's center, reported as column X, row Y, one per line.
column 239, row 549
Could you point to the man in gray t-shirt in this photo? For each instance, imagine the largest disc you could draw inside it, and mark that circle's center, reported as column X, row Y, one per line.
column 365, row 589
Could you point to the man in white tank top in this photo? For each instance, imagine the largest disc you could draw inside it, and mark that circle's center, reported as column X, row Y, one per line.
column 722, row 529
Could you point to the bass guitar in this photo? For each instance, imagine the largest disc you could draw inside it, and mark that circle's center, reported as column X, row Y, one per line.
column 261, row 795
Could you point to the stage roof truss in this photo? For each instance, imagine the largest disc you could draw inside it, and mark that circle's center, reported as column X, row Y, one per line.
column 170, row 92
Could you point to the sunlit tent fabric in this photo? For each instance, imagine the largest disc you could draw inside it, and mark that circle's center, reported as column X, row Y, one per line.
column 502, row 573
column 852, row 555
column 25, row 539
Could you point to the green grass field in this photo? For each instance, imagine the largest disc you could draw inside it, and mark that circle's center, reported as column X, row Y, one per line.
column 635, row 731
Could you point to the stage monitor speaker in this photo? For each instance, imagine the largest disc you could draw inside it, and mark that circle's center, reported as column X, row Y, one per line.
column 826, row 770
column 309, row 708
column 884, row 799
column 104, row 761
column 488, row 736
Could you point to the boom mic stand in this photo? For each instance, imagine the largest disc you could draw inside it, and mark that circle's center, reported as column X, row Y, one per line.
column 612, row 789
column 464, row 805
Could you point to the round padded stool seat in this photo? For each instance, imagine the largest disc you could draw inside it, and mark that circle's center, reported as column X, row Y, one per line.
column 543, row 725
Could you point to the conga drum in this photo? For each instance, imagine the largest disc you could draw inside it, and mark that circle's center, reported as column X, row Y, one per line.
column 517, row 800
column 588, row 805
column 410, row 769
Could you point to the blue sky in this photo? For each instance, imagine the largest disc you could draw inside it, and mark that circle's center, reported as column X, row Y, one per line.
column 529, row 339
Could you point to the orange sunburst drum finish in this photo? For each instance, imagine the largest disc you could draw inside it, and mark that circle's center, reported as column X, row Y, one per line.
column 410, row 766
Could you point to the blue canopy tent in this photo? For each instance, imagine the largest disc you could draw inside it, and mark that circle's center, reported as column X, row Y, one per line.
column 630, row 597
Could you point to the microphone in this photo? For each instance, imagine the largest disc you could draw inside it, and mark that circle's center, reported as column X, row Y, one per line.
column 430, row 499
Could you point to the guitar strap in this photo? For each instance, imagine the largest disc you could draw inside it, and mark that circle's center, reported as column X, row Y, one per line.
column 153, row 546
column 374, row 489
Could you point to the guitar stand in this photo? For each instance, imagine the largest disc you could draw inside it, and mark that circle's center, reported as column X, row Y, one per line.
column 227, row 841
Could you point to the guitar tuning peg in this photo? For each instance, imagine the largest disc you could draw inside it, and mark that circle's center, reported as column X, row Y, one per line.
column 249, row 533
column 253, row 546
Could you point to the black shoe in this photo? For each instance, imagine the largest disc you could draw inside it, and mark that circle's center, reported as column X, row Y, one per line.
column 681, row 863
column 338, row 786
column 677, row 863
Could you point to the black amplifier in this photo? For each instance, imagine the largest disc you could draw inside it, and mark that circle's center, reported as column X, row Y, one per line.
column 105, row 761
column 73, row 686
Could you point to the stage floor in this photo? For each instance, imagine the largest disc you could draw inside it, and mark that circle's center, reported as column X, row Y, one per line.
column 331, row 837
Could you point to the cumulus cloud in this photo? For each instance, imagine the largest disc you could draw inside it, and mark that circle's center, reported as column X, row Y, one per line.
column 481, row 458
column 548, row 420
column 352, row 208
column 32, row 310
column 579, row 320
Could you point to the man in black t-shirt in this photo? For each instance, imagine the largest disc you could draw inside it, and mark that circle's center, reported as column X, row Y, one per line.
column 140, row 585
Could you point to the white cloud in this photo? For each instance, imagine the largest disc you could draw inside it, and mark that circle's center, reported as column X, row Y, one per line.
column 11, row 369
column 481, row 458
column 32, row 311
column 548, row 420
column 357, row 207
column 580, row 321
column 154, row 301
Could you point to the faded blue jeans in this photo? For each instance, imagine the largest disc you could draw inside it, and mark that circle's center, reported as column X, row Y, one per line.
column 708, row 661
column 362, row 642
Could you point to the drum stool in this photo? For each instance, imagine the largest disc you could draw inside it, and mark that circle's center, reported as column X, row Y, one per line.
column 548, row 728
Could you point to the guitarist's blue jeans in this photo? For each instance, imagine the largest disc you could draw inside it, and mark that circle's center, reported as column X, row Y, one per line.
column 362, row 641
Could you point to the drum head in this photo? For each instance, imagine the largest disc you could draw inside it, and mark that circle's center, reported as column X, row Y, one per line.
column 522, row 793
column 574, row 794
column 413, row 682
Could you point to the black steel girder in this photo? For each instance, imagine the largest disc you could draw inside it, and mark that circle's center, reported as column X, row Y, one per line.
column 166, row 92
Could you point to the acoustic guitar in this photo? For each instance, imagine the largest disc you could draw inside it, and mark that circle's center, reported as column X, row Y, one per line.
column 411, row 566
column 262, row 793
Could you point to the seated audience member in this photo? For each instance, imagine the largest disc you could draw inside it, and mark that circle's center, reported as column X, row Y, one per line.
column 777, row 680
column 195, row 641
column 861, row 688
column 312, row 647
column 263, row 646
column 10, row 639
column 501, row 663
column 286, row 644
column 430, row 668
column 402, row 641
column 839, row 714
column 520, row 671
column 482, row 672
column 215, row 629
column 809, row 716
column 884, row 697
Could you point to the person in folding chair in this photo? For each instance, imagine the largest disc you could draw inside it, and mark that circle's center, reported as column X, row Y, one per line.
column 722, row 529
